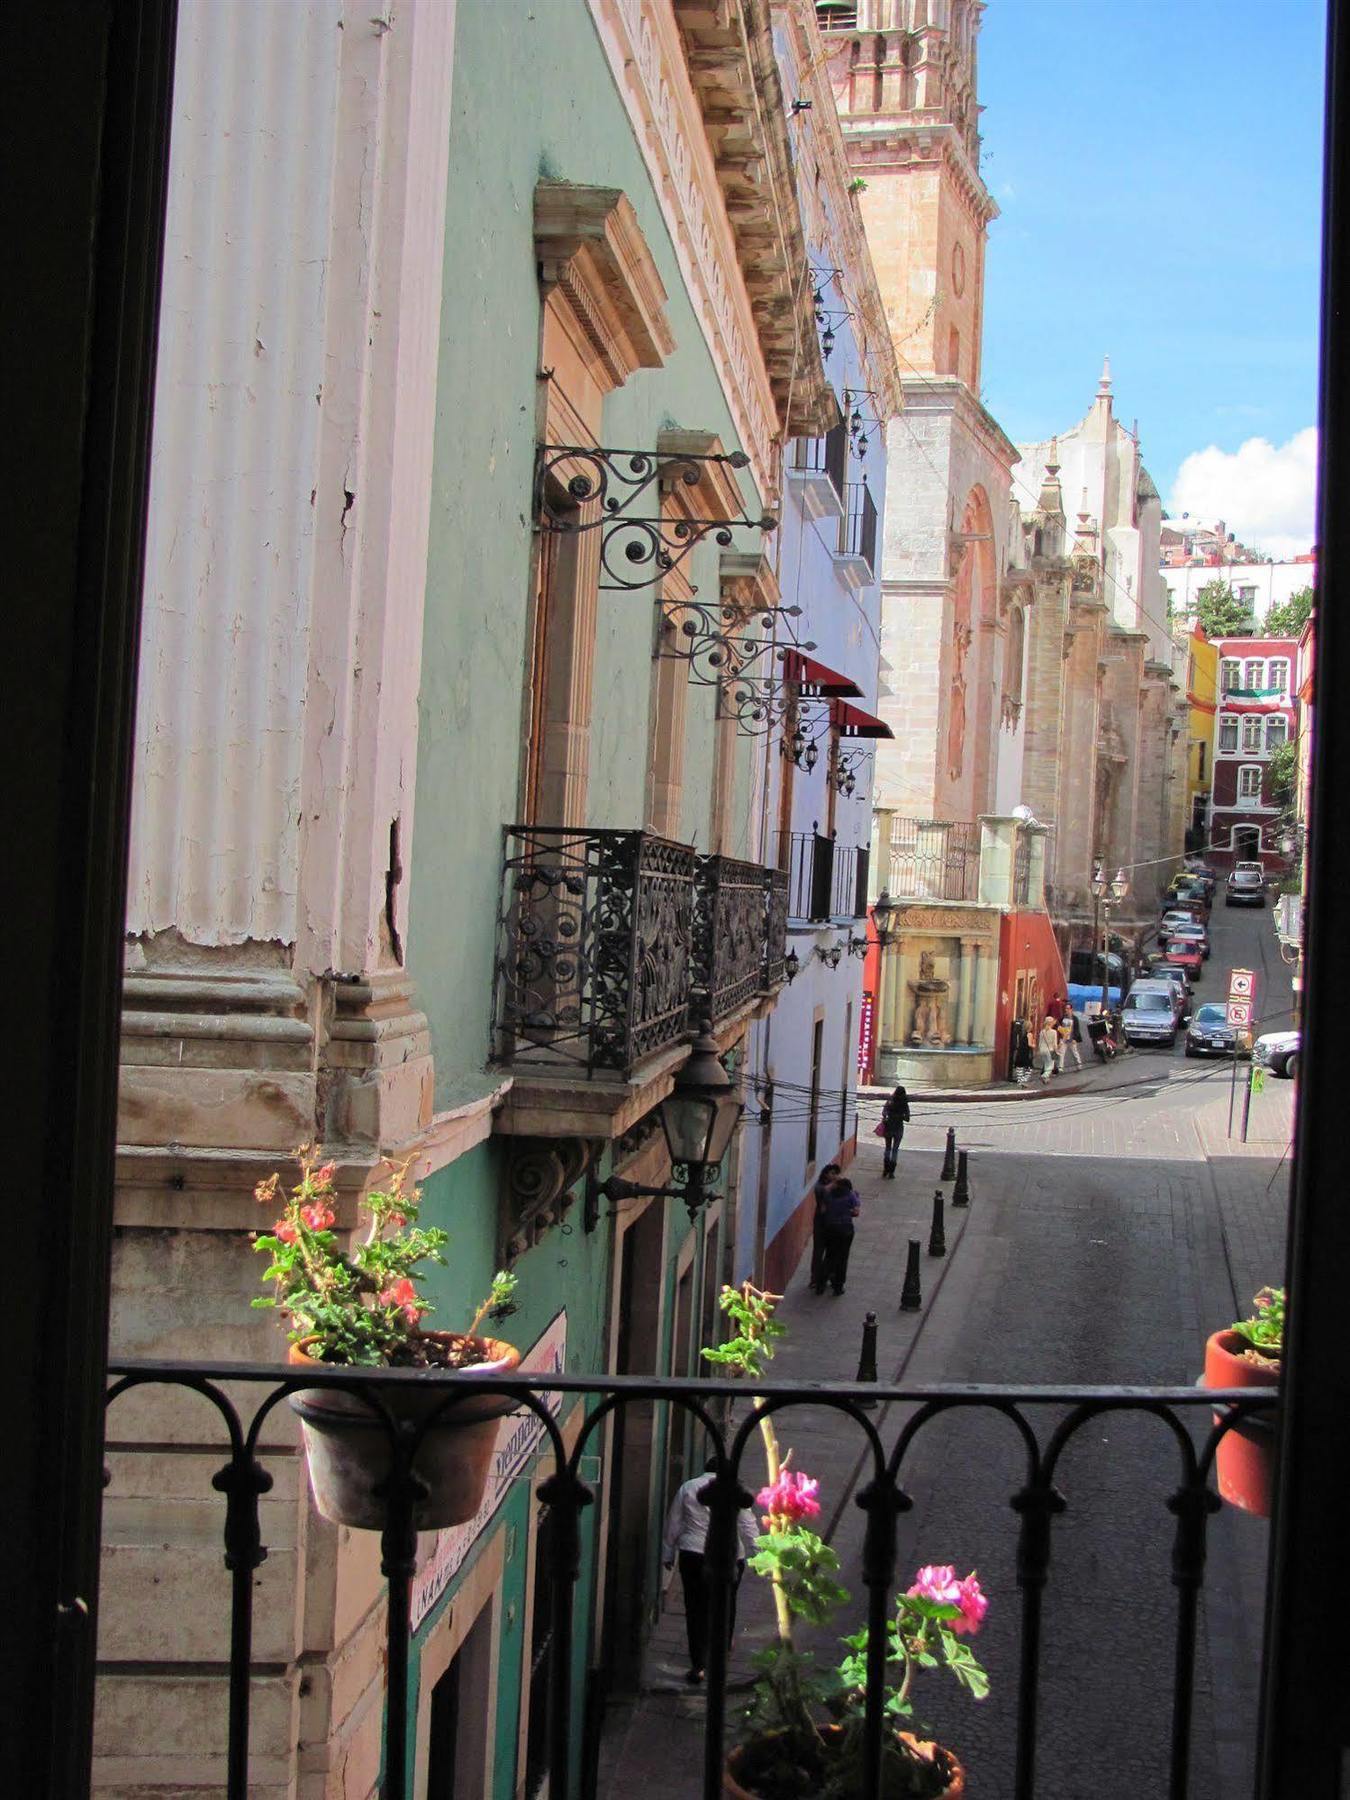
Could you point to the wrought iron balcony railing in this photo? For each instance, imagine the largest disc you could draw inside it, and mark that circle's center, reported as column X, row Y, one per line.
column 1047, row 1424
column 607, row 936
column 594, row 966
column 858, row 527
column 933, row 859
column 740, row 933
column 826, row 880
column 826, row 456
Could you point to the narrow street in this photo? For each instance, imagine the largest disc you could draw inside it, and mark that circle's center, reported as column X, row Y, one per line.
column 1110, row 1231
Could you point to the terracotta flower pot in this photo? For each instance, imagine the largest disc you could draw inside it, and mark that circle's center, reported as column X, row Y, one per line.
column 347, row 1444
column 1245, row 1459
column 954, row 1790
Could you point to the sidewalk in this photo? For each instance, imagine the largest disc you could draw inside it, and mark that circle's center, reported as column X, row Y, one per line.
column 651, row 1744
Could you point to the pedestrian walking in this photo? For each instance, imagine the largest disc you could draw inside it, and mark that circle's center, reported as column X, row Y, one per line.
column 686, row 1537
column 824, row 1181
column 1070, row 1037
column 1047, row 1048
column 894, row 1118
column 1024, row 1056
column 842, row 1207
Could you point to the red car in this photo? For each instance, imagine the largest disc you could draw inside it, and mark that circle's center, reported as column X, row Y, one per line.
column 1186, row 955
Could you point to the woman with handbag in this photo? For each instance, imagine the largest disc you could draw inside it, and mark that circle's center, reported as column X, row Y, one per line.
column 894, row 1118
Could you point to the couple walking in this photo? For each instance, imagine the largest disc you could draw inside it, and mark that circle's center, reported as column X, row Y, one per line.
column 837, row 1206
column 1059, row 1038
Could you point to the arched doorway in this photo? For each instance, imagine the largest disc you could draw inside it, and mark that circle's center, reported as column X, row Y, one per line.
column 1246, row 843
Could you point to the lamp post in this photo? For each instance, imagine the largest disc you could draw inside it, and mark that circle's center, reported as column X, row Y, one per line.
column 1106, row 894
column 699, row 1117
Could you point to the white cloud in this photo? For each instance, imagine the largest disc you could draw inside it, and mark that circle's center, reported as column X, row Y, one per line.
column 1265, row 494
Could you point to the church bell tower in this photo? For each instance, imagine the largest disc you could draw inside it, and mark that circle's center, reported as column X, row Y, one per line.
column 904, row 79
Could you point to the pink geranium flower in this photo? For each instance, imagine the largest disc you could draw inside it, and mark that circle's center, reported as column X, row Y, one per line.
column 792, row 1497
column 939, row 1582
column 284, row 1230
column 974, row 1605
column 403, row 1295
column 318, row 1215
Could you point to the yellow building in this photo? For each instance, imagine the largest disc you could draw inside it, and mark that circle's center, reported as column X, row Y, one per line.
column 1202, row 698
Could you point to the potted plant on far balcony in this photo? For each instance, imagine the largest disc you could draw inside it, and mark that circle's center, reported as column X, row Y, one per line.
column 356, row 1305
column 1248, row 1355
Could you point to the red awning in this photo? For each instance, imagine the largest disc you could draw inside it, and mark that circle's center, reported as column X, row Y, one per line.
column 853, row 721
column 816, row 681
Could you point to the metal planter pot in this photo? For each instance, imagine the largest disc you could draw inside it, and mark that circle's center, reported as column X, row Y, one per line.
column 347, row 1443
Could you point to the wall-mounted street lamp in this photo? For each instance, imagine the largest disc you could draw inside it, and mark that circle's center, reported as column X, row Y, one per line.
column 698, row 1117
column 833, row 956
column 883, row 911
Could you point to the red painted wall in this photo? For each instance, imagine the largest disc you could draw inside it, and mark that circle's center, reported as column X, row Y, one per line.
column 1026, row 947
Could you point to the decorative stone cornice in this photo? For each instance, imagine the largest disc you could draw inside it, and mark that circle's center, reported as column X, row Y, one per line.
column 747, row 582
column 729, row 52
column 717, row 494
column 589, row 244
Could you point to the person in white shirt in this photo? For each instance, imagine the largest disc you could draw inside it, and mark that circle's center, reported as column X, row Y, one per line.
column 685, row 1536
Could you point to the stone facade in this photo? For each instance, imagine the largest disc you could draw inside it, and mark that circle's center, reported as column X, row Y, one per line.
column 1026, row 655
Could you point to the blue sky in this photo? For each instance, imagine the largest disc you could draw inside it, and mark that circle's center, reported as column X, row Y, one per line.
column 1157, row 164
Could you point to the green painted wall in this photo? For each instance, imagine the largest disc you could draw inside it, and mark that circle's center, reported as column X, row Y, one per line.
column 533, row 97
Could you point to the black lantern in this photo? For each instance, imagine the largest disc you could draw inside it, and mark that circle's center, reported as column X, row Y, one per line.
column 792, row 965
column 883, row 911
column 699, row 1117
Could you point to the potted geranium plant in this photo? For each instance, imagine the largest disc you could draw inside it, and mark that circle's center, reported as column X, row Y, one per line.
column 803, row 1728
column 1248, row 1354
column 357, row 1305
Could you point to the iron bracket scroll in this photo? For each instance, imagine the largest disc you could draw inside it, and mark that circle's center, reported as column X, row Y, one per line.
column 614, row 491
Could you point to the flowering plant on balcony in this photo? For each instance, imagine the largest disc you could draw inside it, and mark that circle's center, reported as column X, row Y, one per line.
column 1263, row 1333
column 362, row 1306
column 805, row 1727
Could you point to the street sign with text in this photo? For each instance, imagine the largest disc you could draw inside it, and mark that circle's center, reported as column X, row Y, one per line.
column 1239, row 1012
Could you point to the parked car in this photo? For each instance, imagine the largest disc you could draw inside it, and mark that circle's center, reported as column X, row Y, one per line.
column 1189, row 890
column 1278, row 1051
column 1245, row 887
column 1210, row 1033
column 1150, row 1013
column 1248, row 865
column 1181, row 978
column 1184, row 955
column 1190, row 934
column 1179, row 919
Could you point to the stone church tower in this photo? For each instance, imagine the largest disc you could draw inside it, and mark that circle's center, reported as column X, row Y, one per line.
column 904, row 78
column 905, row 88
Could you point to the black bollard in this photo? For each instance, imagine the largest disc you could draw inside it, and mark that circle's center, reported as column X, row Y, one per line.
column 949, row 1160
column 867, row 1360
column 937, row 1242
column 961, row 1192
column 911, row 1294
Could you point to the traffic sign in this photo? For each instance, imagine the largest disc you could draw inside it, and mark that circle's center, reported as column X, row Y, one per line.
column 1239, row 1012
column 1241, row 984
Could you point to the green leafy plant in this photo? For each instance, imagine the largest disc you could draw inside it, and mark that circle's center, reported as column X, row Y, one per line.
column 1291, row 615
column 1264, row 1331
column 361, row 1305
column 858, row 185
column 1221, row 613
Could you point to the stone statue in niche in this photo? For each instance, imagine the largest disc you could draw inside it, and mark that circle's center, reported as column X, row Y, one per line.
column 956, row 711
column 929, row 1025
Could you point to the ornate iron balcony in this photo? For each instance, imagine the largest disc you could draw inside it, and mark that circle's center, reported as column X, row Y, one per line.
column 606, row 937
column 1048, row 1424
column 594, row 965
column 740, row 931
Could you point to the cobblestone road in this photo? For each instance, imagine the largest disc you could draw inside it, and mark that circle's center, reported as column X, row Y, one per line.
column 1111, row 1230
